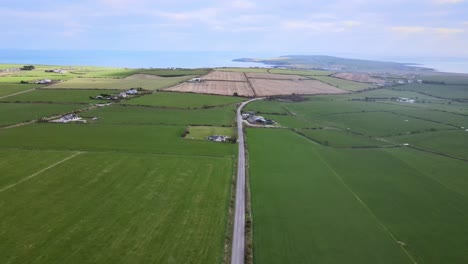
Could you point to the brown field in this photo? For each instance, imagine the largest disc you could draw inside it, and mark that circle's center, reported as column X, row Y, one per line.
column 225, row 76
column 275, row 76
column 214, row 87
column 357, row 77
column 264, row 87
column 140, row 76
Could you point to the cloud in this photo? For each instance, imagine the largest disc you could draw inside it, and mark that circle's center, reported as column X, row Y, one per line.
column 431, row 30
column 408, row 30
column 448, row 2
column 242, row 4
column 320, row 26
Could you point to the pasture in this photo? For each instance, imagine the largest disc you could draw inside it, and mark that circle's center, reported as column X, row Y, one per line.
column 340, row 139
column 343, row 83
column 442, row 91
column 399, row 204
column 13, row 113
column 183, row 100
column 140, row 115
column 61, row 96
column 115, row 207
column 202, row 132
column 7, row 89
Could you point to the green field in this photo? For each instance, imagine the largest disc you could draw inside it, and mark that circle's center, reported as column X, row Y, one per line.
column 202, row 132
column 340, row 138
column 322, row 205
column 115, row 138
column 443, row 91
column 255, row 70
column 342, row 84
column 114, row 207
column 7, row 89
column 64, row 96
column 115, row 83
column 140, row 115
column 183, row 100
column 16, row 113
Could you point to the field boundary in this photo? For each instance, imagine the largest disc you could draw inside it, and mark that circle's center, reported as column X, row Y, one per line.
column 39, row 172
column 22, row 92
column 250, row 85
column 366, row 208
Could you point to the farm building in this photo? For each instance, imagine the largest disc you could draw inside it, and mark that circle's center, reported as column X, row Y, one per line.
column 68, row 118
column 195, row 80
column 123, row 95
column 218, row 138
column 406, row 100
column 44, row 81
column 132, row 91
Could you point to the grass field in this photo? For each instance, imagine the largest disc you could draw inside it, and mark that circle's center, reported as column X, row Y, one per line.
column 259, row 70
column 108, row 83
column 302, row 213
column 16, row 113
column 443, row 91
column 202, row 132
column 323, row 205
column 183, row 100
column 139, row 115
column 157, row 139
column 111, row 207
column 65, row 96
column 12, row 88
column 340, row 138
column 342, row 84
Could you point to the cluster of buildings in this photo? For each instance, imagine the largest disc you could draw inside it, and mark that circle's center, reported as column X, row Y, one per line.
column 57, row 71
column 121, row 95
column 218, row 138
column 255, row 119
column 69, row 118
column 406, row 100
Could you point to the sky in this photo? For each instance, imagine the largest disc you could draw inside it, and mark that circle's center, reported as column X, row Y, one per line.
column 425, row 28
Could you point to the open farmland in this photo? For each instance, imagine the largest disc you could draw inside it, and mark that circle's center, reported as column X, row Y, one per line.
column 149, row 83
column 183, row 100
column 225, row 76
column 343, row 83
column 275, row 76
column 291, row 177
column 61, row 96
column 115, row 207
column 202, row 132
column 265, row 87
column 357, row 77
column 443, row 91
column 141, row 115
column 214, row 87
column 11, row 113
column 8, row 89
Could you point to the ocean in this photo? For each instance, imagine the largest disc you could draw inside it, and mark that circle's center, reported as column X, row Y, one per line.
column 181, row 59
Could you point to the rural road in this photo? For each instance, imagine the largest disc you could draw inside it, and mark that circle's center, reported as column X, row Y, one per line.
column 238, row 241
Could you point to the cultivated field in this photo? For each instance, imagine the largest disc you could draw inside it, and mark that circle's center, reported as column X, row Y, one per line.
column 225, row 76
column 275, row 76
column 149, row 83
column 214, row 87
column 264, row 87
column 183, row 100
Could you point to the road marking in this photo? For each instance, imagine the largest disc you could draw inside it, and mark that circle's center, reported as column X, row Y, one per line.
column 39, row 172
column 26, row 91
column 366, row 207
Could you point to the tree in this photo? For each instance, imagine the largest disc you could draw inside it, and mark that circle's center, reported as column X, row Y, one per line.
column 27, row 68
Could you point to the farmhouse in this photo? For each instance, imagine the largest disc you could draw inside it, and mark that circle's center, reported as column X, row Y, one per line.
column 218, row 138
column 44, row 81
column 195, row 80
column 132, row 91
column 406, row 100
column 68, row 118
column 123, row 95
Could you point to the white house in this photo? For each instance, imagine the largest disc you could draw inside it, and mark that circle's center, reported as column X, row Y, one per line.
column 132, row 91
column 123, row 95
column 195, row 80
column 44, row 81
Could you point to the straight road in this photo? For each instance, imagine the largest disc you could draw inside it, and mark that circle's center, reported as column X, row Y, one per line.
column 238, row 241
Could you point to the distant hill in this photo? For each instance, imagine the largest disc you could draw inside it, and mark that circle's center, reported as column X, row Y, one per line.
column 336, row 64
